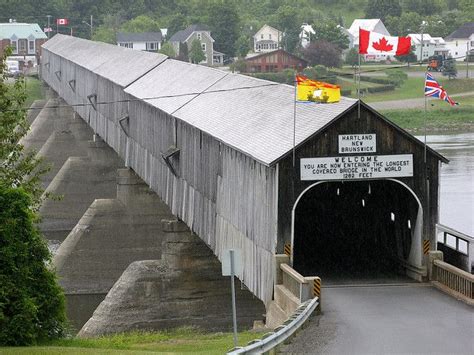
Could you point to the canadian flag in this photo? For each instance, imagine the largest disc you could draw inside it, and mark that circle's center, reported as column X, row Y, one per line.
column 62, row 21
column 376, row 43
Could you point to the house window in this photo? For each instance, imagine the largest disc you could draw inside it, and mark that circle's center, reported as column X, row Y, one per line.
column 261, row 36
column 472, row 44
column 199, row 35
column 270, row 36
column 31, row 46
column 152, row 46
column 126, row 44
column 14, row 45
column 22, row 43
column 203, row 46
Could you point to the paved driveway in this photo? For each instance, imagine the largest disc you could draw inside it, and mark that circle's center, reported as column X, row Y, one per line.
column 407, row 319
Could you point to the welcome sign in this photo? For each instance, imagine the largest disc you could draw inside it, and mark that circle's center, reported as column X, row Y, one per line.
column 357, row 167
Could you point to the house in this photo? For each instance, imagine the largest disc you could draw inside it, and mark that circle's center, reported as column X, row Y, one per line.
column 267, row 39
column 274, row 61
column 202, row 34
column 25, row 39
column 461, row 41
column 305, row 34
column 374, row 25
column 430, row 46
column 143, row 41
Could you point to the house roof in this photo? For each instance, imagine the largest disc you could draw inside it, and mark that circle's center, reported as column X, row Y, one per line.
column 21, row 30
column 251, row 115
column 416, row 38
column 139, row 37
column 268, row 26
column 365, row 24
column 264, row 54
column 183, row 35
column 463, row 32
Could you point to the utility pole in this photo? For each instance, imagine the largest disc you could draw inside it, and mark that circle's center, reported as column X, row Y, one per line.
column 49, row 22
column 467, row 59
column 90, row 25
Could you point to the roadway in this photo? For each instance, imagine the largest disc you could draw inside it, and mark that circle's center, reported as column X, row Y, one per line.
column 409, row 318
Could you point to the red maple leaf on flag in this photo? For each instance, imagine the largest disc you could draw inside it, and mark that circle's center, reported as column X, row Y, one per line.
column 382, row 45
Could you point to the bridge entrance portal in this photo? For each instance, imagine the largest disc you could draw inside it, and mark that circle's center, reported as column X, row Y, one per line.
column 356, row 229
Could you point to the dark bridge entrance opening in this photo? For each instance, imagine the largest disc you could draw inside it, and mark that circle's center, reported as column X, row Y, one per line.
column 354, row 230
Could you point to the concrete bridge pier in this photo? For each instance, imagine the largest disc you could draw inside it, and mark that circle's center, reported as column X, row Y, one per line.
column 78, row 183
column 183, row 284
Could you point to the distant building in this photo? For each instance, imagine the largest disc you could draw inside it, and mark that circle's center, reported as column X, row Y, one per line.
column 143, row 41
column 461, row 41
column 430, row 46
column 305, row 35
column 374, row 25
column 267, row 39
column 203, row 35
column 25, row 39
column 275, row 61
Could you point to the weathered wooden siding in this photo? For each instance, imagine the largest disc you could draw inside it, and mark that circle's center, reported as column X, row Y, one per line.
column 390, row 140
column 225, row 197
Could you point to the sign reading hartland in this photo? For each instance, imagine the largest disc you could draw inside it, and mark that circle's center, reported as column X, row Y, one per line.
column 357, row 143
column 357, row 167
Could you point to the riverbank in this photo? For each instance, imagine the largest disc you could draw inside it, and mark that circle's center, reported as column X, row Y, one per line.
column 446, row 119
column 182, row 340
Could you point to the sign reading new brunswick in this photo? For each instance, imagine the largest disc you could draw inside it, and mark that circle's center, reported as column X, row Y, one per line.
column 357, row 167
column 357, row 143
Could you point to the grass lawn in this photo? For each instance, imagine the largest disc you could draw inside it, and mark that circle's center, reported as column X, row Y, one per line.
column 437, row 118
column 33, row 90
column 413, row 88
column 179, row 341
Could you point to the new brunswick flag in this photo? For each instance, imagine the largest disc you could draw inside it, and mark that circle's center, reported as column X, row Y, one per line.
column 316, row 91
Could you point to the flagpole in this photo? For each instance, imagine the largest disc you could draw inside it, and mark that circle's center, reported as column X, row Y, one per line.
column 294, row 120
column 358, row 87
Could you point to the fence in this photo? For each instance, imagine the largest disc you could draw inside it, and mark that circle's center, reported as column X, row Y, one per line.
column 455, row 279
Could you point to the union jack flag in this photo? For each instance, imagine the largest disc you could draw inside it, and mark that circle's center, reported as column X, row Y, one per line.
column 433, row 89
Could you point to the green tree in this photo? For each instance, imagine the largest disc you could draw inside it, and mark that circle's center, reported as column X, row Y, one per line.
column 141, row 23
column 287, row 20
column 352, row 57
column 449, row 68
column 423, row 7
column 224, row 22
column 176, row 23
column 330, row 31
column 408, row 22
column 324, row 53
column 17, row 167
column 382, row 8
column 167, row 49
column 196, row 54
column 243, row 46
column 31, row 302
column 107, row 32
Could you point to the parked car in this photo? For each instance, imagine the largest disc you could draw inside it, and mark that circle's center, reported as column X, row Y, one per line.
column 13, row 69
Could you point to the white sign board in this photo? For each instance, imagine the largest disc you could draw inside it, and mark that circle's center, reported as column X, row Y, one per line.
column 357, row 167
column 226, row 259
column 357, row 143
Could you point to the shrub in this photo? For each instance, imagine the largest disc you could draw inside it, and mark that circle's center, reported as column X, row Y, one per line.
column 31, row 302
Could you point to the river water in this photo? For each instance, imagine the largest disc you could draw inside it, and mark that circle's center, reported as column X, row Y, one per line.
column 457, row 179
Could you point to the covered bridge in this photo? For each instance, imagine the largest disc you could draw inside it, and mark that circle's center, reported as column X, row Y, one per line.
column 217, row 148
